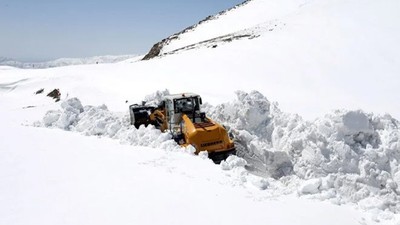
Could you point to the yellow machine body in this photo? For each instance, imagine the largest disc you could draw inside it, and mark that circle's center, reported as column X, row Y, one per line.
column 206, row 136
column 180, row 115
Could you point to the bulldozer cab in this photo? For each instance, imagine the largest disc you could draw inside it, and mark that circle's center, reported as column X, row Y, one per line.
column 177, row 105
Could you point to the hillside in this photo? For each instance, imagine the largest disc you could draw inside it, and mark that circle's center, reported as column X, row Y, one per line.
column 310, row 56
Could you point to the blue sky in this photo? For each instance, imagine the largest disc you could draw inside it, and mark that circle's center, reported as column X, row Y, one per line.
column 49, row 29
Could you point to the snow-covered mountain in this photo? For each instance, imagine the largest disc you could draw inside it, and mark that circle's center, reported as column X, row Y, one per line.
column 307, row 55
column 4, row 61
column 318, row 141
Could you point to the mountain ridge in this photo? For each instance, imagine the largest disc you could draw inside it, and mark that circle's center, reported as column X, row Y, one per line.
column 6, row 61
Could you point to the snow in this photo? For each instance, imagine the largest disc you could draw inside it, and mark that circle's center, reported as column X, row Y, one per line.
column 68, row 178
column 344, row 157
column 252, row 14
column 70, row 195
column 67, row 61
column 353, row 154
column 318, row 141
column 310, row 186
column 310, row 56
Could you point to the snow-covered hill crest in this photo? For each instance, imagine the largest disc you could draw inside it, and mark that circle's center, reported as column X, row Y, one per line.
column 158, row 48
column 254, row 18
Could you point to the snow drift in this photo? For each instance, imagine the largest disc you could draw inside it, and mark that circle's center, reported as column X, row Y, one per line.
column 99, row 121
column 348, row 156
column 345, row 156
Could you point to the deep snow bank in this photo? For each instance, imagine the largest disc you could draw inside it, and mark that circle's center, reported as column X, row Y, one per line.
column 345, row 156
column 99, row 121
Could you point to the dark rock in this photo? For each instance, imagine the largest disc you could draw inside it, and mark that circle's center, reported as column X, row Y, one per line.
column 154, row 51
column 40, row 91
column 56, row 94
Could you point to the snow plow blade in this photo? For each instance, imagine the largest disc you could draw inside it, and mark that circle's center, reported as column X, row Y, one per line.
column 140, row 115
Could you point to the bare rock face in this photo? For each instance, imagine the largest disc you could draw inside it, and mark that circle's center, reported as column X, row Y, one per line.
column 155, row 50
column 40, row 91
column 56, row 94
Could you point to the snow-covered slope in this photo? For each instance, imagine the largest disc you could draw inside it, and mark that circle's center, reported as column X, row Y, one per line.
column 78, row 161
column 307, row 55
column 343, row 22
column 65, row 61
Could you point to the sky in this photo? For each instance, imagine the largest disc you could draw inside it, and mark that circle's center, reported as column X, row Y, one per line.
column 49, row 29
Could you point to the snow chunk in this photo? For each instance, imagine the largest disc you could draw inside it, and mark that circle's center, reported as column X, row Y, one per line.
column 67, row 117
column 156, row 97
column 250, row 111
column 98, row 121
column 356, row 128
column 232, row 162
column 72, row 105
column 355, row 122
column 203, row 155
column 310, row 186
column 259, row 182
column 51, row 117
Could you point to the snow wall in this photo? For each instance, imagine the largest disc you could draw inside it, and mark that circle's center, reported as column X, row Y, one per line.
column 345, row 156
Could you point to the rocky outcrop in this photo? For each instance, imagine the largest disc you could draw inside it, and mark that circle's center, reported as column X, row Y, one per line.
column 155, row 50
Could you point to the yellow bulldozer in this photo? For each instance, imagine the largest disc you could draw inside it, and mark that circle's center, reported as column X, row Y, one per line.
column 181, row 116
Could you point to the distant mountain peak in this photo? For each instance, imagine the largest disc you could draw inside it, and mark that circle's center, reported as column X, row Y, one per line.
column 5, row 61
